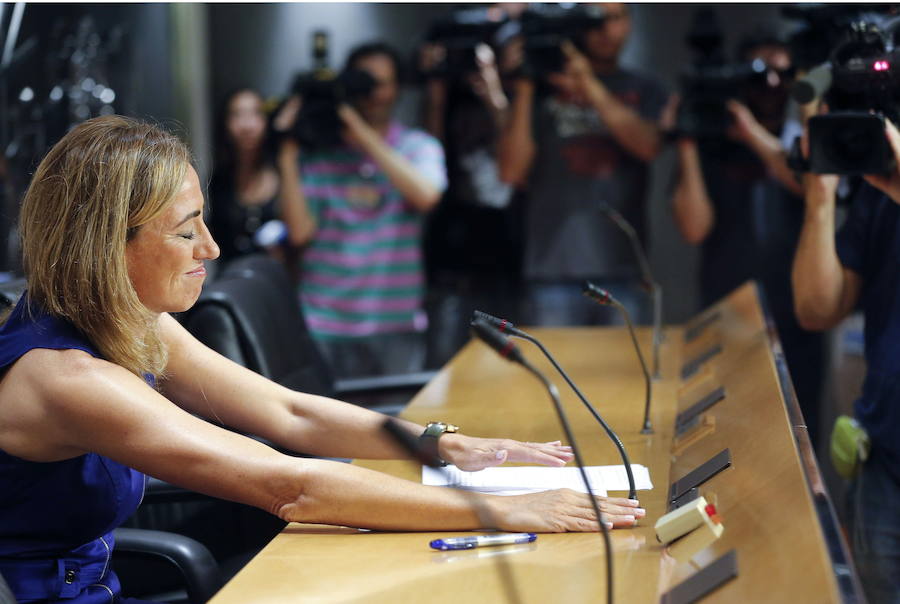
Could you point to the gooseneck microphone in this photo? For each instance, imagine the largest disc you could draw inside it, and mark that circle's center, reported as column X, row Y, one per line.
column 601, row 296
column 485, row 332
column 647, row 276
column 505, row 326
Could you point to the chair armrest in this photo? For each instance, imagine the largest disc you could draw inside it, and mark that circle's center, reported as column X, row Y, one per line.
column 197, row 565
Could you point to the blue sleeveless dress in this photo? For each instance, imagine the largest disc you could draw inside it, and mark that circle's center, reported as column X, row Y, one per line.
column 57, row 518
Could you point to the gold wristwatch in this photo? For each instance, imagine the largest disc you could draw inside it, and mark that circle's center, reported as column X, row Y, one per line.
column 429, row 438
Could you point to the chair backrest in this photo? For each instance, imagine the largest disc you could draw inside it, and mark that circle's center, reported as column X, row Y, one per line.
column 256, row 321
column 259, row 264
column 6, row 595
column 11, row 291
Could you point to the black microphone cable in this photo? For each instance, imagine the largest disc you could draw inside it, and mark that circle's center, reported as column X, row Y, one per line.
column 485, row 332
column 601, row 296
column 505, row 326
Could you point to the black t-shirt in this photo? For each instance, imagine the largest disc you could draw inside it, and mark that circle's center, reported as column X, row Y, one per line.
column 578, row 167
column 869, row 244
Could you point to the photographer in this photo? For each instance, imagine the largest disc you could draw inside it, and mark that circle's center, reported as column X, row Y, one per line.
column 357, row 209
column 473, row 239
column 831, row 277
column 590, row 142
column 736, row 197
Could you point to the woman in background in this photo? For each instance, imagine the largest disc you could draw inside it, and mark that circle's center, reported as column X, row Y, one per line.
column 244, row 186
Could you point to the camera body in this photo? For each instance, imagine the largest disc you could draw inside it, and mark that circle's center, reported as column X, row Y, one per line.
column 460, row 33
column 849, row 142
column 864, row 90
column 712, row 81
column 318, row 125
column 707, row 88
column 546, row 26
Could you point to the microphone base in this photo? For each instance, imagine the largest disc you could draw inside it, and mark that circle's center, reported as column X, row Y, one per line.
column 647, row 429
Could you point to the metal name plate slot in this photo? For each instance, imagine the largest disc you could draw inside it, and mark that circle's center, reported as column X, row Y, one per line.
column 686, row 418
column 692, row 366
column 693, row 332
column 688, row 497
column 700, row 474
column 704, row 581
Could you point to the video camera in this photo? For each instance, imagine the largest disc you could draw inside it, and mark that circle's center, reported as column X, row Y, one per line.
column 318, row 125
column 712, row 81
column 860, row 82
column 545, row 26
column 460, row 33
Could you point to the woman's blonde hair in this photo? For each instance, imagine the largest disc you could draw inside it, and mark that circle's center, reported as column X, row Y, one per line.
column 90, row 194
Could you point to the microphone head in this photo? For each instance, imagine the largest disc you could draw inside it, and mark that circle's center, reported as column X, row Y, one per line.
column 488, row 334
column 502, row 325
column 598, row 294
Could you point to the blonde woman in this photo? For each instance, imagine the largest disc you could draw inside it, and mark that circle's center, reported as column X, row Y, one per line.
column 101, row 386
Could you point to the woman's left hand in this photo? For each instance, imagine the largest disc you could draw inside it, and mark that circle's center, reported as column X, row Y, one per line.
column 470, row 453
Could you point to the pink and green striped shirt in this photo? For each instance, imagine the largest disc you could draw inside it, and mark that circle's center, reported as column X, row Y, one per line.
column 363, row 272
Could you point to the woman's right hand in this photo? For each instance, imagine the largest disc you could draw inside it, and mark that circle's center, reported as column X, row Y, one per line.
column 562, row 510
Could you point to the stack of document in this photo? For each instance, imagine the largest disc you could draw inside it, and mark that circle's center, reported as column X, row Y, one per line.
column 518, row 480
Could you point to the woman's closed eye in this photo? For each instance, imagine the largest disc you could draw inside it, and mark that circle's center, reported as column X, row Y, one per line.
column 189, row 236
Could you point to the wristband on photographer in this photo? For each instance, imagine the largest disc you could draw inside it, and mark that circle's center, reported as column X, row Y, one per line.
column 429, row 438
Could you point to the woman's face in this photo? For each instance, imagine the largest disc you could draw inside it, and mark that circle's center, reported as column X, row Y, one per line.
column 165, row 257
column 245, row 121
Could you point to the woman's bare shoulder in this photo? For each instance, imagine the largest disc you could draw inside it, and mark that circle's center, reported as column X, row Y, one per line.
column 40, row 392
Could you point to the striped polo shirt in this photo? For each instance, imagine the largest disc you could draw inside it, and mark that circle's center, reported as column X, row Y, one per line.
column 363, row 272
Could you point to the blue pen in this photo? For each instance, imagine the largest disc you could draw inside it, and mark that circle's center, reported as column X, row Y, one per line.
column 482, row 541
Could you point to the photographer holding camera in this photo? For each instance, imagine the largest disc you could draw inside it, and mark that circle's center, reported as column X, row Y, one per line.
column 356, row 207
column 473, row 238
column 832, row 276
column 586, row 144
column 736, row 197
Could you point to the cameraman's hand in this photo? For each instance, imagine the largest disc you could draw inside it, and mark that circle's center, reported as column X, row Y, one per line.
column 745, row 129
column 668, row 118
column 358, row 132
column 512, row 56
column 288, row 154
column 819, row 190
column 486, row 83
column 287, row 116
column 577, row 78
column 889, row 183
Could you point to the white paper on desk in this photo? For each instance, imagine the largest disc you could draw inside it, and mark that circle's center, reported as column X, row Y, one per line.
column 517, row 480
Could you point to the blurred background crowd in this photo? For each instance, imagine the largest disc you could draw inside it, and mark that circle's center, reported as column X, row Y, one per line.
column 408, row 163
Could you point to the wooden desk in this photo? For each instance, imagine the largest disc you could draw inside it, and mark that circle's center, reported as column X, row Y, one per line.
column 776, row 514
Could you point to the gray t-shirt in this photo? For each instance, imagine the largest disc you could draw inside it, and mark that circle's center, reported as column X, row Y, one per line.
column 579, row 166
